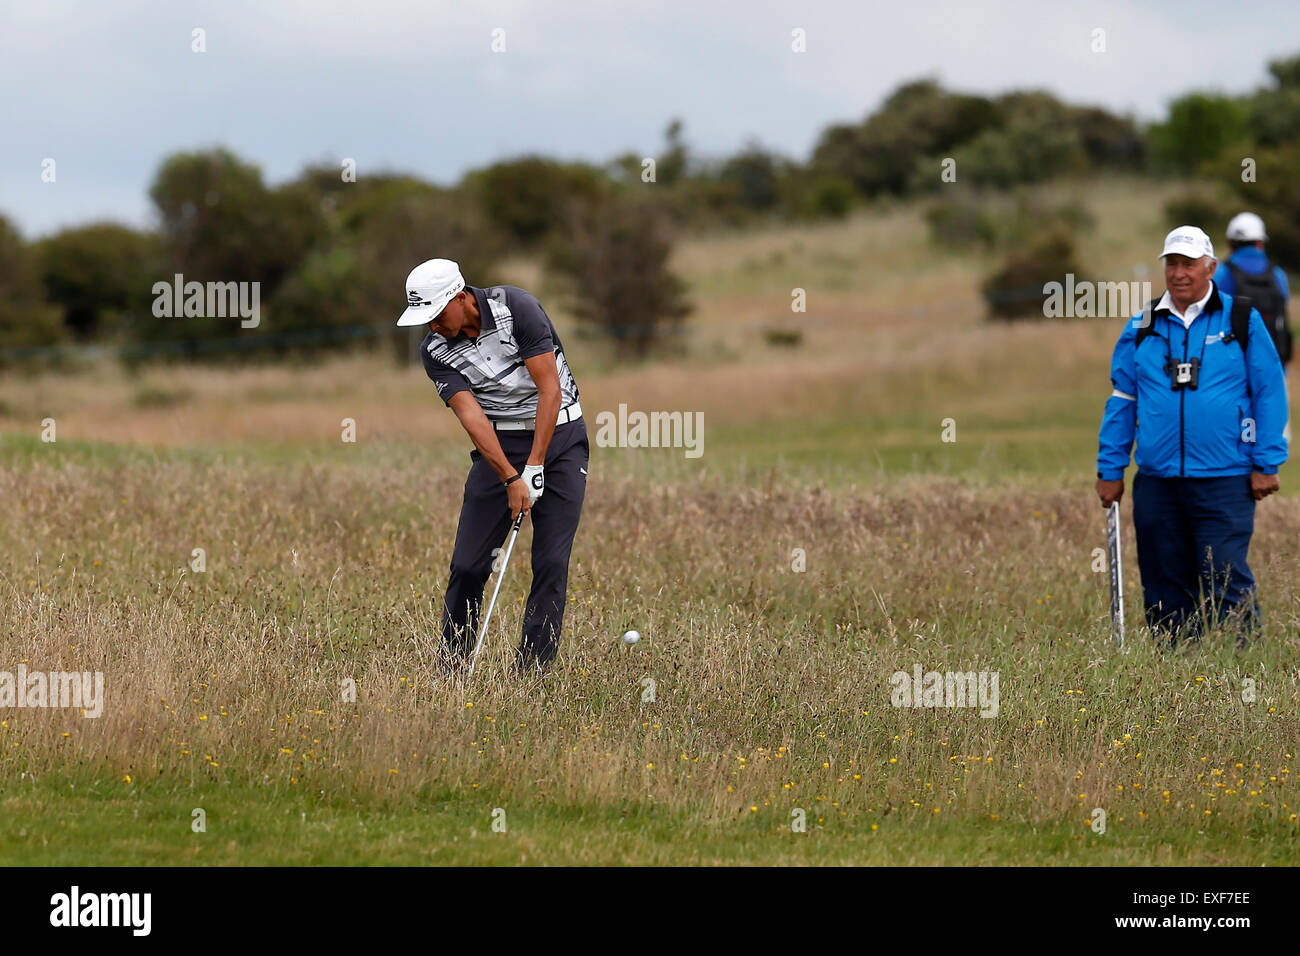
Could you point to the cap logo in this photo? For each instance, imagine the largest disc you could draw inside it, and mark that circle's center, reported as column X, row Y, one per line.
column 414, row 298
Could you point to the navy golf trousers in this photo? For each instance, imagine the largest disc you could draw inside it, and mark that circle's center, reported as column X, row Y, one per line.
column 484, row 524
column 1193, row 535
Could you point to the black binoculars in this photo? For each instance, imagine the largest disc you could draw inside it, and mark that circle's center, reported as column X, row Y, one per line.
column 1183, row 374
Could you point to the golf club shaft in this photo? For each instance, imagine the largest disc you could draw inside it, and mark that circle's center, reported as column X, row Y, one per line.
column 505, row 562
column 1116, row 557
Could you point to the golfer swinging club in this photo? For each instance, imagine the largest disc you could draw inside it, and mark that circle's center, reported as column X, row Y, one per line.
column 497, row 362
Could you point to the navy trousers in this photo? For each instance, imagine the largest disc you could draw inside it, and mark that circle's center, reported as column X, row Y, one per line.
column 484, row 524
column 1193, row 535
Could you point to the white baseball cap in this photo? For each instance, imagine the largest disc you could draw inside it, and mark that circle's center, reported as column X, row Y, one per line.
column 1246, row 227
column 429, row 287
column 1188, row 241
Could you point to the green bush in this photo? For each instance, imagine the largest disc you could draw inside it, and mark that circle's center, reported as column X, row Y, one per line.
column 1275, row 195
column 809, row 194
column 961, row 222
column 526, row 198
column 783, row 338
column 612, row 257
column 357, row 280
column 220, row 222
column 1015, row 290
column 1286, row 72
column 97, row 275
column 27, row 321
column 1200, row 130
column 756, row 175
column 1023, row 152
column 1109, row 141
column 990, row 220
column 1275, row 116
column 153, row 396
column 1202, row 207
column 1274, row 112
column 918, row 119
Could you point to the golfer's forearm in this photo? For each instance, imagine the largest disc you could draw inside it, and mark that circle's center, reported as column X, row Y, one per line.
column 480, row 432
column 548, row 410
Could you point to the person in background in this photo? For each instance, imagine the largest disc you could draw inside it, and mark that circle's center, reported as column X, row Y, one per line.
column 1247, row 271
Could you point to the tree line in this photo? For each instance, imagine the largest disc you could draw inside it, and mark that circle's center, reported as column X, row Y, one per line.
column 329, row 250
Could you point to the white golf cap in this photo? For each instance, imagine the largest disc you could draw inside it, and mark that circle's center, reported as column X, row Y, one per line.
column 1246, row 227
column 429, row 288
column 1188, row 241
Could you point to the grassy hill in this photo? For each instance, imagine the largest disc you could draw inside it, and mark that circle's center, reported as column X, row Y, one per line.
column 894, row 340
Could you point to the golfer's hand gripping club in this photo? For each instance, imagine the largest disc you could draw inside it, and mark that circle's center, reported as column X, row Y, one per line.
column 535, row 479
column 519, row 499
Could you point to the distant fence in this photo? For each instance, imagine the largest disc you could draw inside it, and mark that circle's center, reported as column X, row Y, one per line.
column 246, row 343
column 254, row 343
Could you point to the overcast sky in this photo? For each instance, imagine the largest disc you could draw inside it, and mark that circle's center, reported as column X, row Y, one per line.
column 108, row 89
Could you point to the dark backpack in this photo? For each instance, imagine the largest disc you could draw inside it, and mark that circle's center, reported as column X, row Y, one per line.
column 1263, row 291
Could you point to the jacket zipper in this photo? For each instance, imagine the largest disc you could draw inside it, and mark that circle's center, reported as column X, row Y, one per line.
column 1182, row 404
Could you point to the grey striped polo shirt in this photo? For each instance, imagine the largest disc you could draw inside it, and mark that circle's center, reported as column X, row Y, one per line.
column 513, row 327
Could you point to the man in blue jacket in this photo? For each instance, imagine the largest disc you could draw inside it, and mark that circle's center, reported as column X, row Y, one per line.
column 1200, row 387
column 1248, row 272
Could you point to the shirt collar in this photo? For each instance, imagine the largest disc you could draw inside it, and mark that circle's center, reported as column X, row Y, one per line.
column 485, row 318
column 1166, row 304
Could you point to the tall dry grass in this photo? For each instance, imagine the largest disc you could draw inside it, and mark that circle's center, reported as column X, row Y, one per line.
column 770, row 687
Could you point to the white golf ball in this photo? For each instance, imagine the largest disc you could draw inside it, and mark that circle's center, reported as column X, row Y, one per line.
column 631, row 637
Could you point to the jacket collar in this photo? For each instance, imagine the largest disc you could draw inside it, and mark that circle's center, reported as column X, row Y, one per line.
column 1213, row 304
column 1250, row 258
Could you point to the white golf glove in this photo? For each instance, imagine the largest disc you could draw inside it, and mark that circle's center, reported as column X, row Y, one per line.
column 534, row 477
